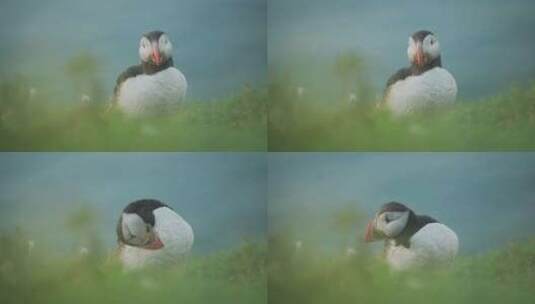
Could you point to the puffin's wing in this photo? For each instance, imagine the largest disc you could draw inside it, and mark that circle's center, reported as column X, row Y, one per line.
column 132, row 71
column 425, row 219
column 119, row 230
column 399, row 75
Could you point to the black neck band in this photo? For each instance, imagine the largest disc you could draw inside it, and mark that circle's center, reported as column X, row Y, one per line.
column 149, row 68
column 417, row 70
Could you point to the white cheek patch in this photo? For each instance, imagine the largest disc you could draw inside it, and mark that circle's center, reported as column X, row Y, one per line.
column 144, row 53
column 134, row 229
column 432, row 50
column 144, row 49
column 166, row 49
column 396, row 224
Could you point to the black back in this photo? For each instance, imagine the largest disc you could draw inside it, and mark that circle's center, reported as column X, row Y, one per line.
column 413, row 70
column 414, row 224
column 144, row 208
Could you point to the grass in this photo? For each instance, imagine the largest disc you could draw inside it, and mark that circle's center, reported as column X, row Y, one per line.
column 39, row 122
column 233, row 276
column 311, row 276
column 240, row 123
column 253, row 272
column 318, row 123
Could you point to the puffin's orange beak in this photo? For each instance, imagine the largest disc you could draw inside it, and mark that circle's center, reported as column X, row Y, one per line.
column 419, row 57
column 156, row 58
column 154, row 244
column 369, row 237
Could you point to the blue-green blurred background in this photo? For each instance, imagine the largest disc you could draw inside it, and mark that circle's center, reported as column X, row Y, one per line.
column 487, row 45
column 219, row 45
column 222, row 195
column 487, row 198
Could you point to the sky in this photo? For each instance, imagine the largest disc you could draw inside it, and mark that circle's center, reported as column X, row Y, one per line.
column 487, row 198
column 220, row 45
column 221, row 195
column 486, row 45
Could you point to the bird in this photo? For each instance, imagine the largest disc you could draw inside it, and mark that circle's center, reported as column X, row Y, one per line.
column 150, row 233
column 153, row 87
column 425, row 83
column 411, row 240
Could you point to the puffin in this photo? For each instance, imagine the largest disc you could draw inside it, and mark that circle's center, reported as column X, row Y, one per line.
column 425, row 83
column 150, row 233
column 411, row 240
column 154, row 86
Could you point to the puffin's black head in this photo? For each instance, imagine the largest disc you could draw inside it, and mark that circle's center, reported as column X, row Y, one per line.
column 155, row 48
column 393, row 207
column 389, row 221
column 144, row 208
column 136, row 224
column 423, row 49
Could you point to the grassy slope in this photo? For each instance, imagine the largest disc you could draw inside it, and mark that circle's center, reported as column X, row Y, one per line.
column 504, row 122
column 235, row 276
column 306, row 276
column 42, row 124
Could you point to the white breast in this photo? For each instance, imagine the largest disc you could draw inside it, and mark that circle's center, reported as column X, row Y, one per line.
column 434, row 87
column 174, row 232
column 434, row 244
column 155, row 94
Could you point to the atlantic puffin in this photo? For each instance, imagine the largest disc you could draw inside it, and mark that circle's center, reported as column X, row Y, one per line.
column 425, row 83
column 150, row 233
column 154, row 86
column 411, row 240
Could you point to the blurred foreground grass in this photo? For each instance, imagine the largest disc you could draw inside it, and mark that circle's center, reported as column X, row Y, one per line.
column 29, row 275
column 300, row 274
column 305, row 122
column 32, row 120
